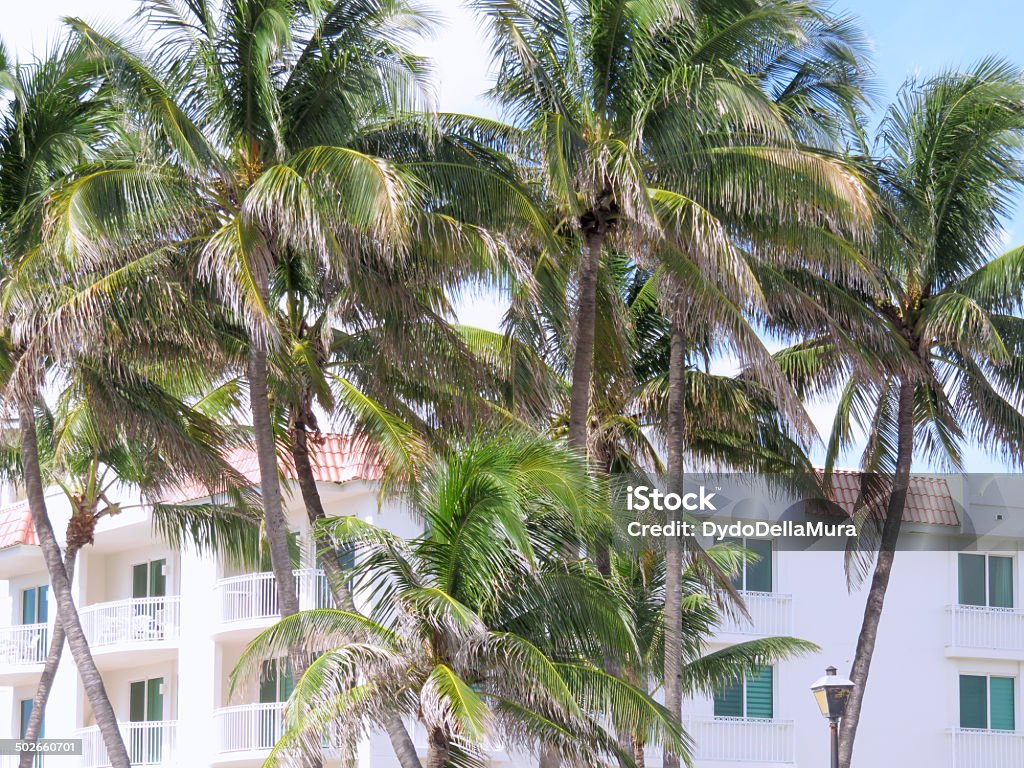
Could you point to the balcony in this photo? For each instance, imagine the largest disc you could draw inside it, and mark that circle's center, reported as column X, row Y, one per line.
column 737, row 739
column 136, row 624
column 248, row 728
column 771, row 613
column 250, row 600
column 149, row 743
column 23, row 650
column 980, row 631
column 987, row 749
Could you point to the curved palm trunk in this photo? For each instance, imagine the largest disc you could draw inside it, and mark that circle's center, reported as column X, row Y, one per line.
column 53, row 655
column 883, row 569
column 273, row 509
column 401, row 742
column 583, row 353
column 106, row 720
column 673, row 545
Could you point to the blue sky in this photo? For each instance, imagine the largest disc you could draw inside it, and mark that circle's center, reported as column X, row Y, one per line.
column 908, row 37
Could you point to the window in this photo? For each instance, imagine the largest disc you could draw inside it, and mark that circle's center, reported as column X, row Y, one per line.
column 755, row 576
column 749, row 697
column 987, row 702
column 985, row 580
column 150, row 579
column 276, row 681
column 34, row 605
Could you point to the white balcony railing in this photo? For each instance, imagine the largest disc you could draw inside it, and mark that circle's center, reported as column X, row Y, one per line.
column 771, row 613
column 978, row 626
column 987, row 749
column 249, row 727
column 145, row 619
column 147, row 744
column 253, row 596
column 24, row 644
column 742, row 740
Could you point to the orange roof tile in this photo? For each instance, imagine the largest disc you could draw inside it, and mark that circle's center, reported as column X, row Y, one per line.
column 335, row 459
column 928, row 501
column 16, row 526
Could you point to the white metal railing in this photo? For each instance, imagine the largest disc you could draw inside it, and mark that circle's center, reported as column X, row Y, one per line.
column 150, row 743
column 771, row 613
column 987, row 749
column 23, row 644
column 141, row 619
column 978, row 626
column 249, row 727
column 253, row 596
column 742, row 740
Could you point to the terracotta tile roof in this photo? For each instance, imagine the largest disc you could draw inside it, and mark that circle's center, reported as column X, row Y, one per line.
column 928, row 501
column 16, row 526
column 336, row 459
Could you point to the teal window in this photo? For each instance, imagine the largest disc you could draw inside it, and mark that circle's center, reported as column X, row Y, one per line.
column 150, row 579
column 985, row 580
column 34, row 609
column 750, row 696
column 755, row 575
column 25, row 707
column 987, row 703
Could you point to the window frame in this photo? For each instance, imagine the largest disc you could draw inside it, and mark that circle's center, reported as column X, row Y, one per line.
column 744, row 703
column 742, row 542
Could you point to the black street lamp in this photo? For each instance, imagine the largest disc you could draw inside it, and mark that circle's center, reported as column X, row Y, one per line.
column 831, row 693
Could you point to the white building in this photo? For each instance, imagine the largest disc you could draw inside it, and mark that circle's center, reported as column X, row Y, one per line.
column 166, row 628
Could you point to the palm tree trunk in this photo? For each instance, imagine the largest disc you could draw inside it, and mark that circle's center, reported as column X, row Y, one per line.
column 438, row 750
column 673, row 545
column 53, row 654
column 583, row 353
column 401, row 742
column 883, row 569
column 273, row 510
column 102, row 711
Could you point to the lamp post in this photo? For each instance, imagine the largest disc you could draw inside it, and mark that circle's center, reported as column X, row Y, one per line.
column 831, row 693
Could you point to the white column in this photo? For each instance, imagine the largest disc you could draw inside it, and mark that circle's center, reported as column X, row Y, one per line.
column 196, row 661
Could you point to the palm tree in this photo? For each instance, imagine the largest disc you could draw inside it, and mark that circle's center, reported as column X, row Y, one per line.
column 453, row 638
column 84, row 455
column 48, row 128
column 927, row 353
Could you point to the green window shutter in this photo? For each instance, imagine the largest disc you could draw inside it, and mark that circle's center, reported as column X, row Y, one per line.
column 140, row 580
column 759, row 694
column 1000, row 582
column 44, row 604
column 137, row 702
column 759, row 574
column 28, row 606
column 729, row 700
column 1000, row 695
column 973, row 702
column 154, row 699
column 972, row 579
column 158, row 578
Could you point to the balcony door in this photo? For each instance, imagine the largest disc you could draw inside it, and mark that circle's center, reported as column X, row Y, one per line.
column 986, row 703
column 146, row 709
column 276, row 684
column 26, row 713
column 755, row 575
column 149, row 580
column 34, row 608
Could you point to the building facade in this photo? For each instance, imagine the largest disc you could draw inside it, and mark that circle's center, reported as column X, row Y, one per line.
column 167, row 626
